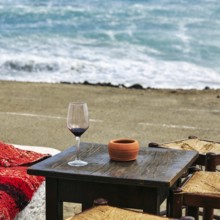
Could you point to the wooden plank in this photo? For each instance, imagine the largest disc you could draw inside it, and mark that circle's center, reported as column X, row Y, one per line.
column 117, row 195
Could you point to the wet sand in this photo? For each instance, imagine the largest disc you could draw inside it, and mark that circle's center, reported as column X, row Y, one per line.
column 35, row 114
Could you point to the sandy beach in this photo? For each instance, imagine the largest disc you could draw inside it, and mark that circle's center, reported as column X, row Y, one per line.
column 35, row 114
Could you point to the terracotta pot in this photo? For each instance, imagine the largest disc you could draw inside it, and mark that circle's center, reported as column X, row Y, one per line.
column 123, row 149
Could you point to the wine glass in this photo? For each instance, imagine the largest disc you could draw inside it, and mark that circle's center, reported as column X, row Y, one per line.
column 77, row 123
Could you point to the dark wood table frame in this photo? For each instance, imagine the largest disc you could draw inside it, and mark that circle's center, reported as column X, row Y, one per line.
column 142, row 184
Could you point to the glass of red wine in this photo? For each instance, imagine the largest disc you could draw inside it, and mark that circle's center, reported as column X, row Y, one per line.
column 78, row 123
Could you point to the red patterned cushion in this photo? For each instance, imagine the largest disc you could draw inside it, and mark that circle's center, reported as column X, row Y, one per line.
column 11, row 156
column 16, row 186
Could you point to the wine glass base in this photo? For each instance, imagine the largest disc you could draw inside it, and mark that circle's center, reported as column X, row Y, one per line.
column 77, row 163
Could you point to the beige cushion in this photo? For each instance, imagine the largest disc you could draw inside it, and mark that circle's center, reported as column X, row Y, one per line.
column 38, row 149
column 203, row 182
column 113, row 213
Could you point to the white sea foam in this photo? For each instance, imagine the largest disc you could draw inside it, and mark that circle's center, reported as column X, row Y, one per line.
column 151, row 73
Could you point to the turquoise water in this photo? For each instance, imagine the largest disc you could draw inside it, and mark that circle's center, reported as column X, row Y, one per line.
column 158, row 43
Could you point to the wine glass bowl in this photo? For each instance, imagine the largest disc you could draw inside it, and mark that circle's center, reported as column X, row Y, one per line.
column 77, row 123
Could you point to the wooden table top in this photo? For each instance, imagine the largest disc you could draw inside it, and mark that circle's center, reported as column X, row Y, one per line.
column 154, row 167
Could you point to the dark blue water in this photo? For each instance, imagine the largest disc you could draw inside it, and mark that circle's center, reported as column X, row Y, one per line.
column 160, row 43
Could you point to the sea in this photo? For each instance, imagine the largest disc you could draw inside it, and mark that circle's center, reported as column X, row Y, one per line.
column 154, row 43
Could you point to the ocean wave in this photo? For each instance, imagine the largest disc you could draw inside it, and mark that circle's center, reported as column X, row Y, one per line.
column 163, row 44
column 152, row 73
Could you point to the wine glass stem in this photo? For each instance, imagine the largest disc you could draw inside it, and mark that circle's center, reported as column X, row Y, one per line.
column 78, row 143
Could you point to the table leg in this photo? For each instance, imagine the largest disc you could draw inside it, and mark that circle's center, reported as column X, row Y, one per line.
column 152, row 201
column 54, row 208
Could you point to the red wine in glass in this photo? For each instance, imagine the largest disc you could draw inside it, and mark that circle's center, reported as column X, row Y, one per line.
column 78, row 131
column 77, row 123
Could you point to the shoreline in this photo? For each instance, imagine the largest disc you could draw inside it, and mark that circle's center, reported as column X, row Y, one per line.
column 133, row 86
column 109, row 84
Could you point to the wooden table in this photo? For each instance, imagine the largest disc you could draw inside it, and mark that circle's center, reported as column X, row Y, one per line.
column 142, row 184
